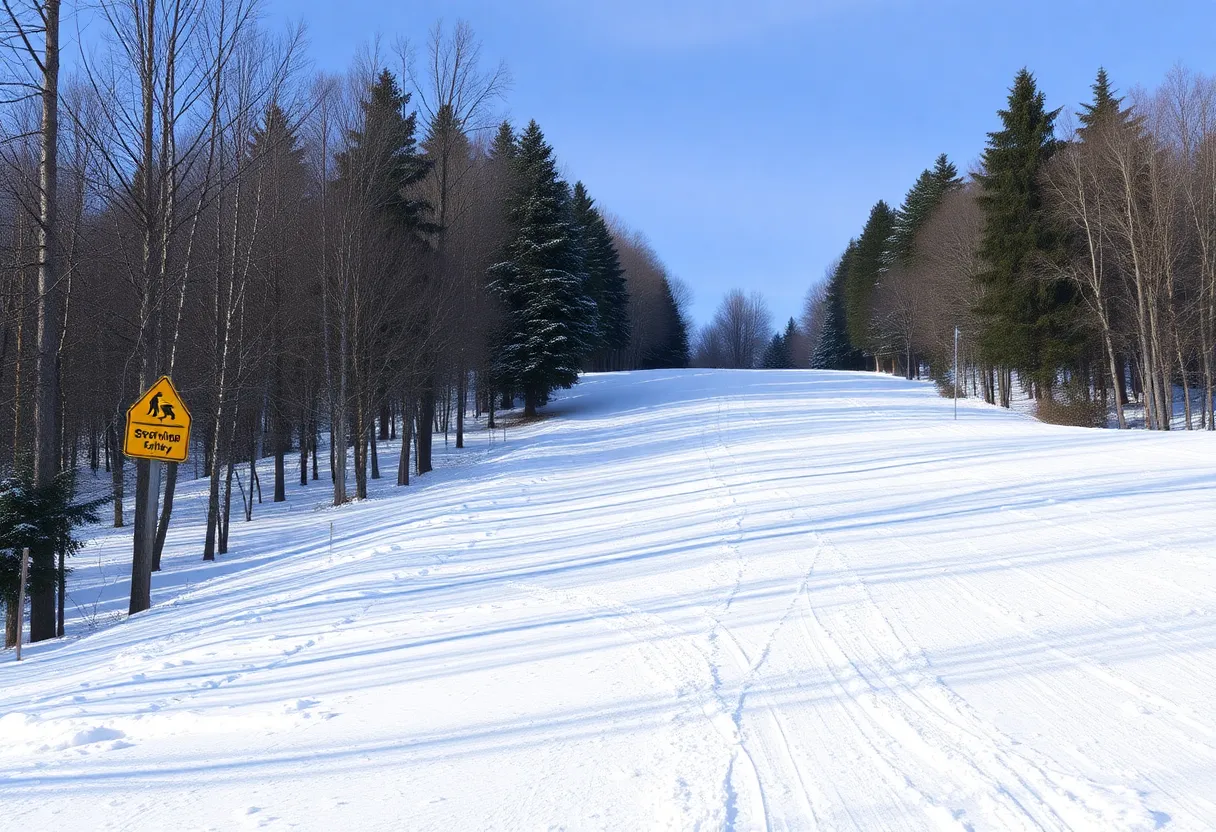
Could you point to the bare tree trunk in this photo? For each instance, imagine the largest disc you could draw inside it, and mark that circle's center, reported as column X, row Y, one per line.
column 117, row 483
column 338, row 423
column 213, row 506
column 462, row 397
column 46, row 383
column 403, row 462
column 1114, row 375
column 360, row 436
column 1208, row 389
column 426, row 420
column 63, row 592
column 226, row 514
column 1186, row 385
column 313, row 441
column 10, row 624
column 304, row 439
column 162, row 528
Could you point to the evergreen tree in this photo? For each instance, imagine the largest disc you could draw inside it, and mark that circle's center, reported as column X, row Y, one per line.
column 776, row 354
column 788, row 338
column 32, row 516
column 673, row 351
column 918, row 205
column 550, row 319
column 864, row 269
column 1105, row 106
column 1029, row 321
column 834, row 351
column 779, row 354
column 383, row 163
column 505, row 144
column 501, row 183
column 605, row 277
column 447, row 154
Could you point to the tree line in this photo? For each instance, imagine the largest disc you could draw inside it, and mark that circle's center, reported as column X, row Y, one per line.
column 1077, row 263
column 356, row 257
column 740, row 336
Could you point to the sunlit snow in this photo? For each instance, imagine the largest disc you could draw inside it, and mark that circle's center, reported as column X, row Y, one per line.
column 684, row 600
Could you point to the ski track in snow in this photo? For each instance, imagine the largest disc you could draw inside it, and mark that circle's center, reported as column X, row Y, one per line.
column 701, row 600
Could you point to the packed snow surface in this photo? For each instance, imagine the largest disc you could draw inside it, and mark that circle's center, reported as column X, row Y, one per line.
column 685, row 600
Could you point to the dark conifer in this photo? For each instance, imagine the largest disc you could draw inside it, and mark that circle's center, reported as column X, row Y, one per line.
column 919, row 203
column 673, row 351
column 383, row 163
column 605, row 277
column 864, row 269
column 550, row 320
column 833, row 351
column 1028, row 319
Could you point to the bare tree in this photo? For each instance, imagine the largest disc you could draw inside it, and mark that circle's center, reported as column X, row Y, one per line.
column 1079, row 190
column 738, row 333
column 41, row 78
column 457, row 98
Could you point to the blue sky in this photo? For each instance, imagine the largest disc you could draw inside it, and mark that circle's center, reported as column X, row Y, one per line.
column 748, row 140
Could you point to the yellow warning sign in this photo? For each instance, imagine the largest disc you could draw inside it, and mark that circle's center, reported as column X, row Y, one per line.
column 158, row 425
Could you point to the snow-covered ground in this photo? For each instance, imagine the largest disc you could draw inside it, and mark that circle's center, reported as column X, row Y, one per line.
column 688, row 600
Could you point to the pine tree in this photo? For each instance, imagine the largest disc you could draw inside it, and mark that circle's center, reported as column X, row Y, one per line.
column 446, row 152
column 918, row 205
column 1028, row 320
column 673, row 350
column 605, row 277
column 834, row 350
column 864, row 269
column 33, row 516
column 776, row 355
column 1105, row 106
column 505, row 145
column 550, row 325
column 788, row 338
column 383, row 163
column 779, row 354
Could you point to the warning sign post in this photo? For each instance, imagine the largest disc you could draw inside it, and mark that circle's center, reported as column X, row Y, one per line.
column 158, row 425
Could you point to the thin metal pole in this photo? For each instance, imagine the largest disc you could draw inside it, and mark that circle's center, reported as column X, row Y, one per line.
column 25, row 569
column 956, row 374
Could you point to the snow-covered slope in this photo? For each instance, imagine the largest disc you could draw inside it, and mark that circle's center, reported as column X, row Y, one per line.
column 689, row 600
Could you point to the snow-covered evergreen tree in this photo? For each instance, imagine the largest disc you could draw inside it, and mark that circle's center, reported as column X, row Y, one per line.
column 550, row 318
